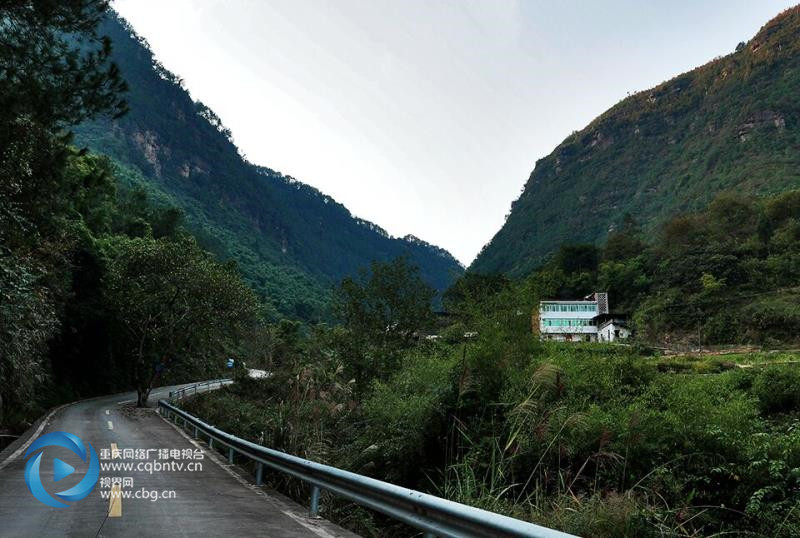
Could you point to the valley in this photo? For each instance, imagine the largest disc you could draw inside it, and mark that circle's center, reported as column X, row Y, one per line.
column 620, row 360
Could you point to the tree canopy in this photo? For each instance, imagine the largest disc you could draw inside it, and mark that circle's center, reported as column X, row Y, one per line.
column 384, row 310
column 175, row 306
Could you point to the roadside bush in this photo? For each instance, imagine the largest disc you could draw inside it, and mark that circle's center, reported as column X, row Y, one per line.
column 405, row 416
column 598, row 516
column 772, row 321
column 778, row 389
column 589, row 439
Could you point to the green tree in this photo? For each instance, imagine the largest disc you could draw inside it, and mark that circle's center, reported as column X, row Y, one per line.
column 473, row 288
column 625, row 281
column 383, row 310
column 732, row 217
column 27, row 321
column 54, row 72
column 177, row 309
column 54, row 67
column 625, row 242
column 577, row 258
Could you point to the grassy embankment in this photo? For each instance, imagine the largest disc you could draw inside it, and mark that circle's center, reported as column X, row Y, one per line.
column 595, row 440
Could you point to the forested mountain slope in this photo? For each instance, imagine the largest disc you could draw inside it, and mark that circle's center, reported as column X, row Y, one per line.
column 732, row 124
column 290, row 241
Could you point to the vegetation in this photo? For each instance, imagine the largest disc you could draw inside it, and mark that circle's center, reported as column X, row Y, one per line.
column 725, row 275
column 383, row 311
column 44, row 85
column 102, row 288
column 593, row 439
column 731, row 124
column 173, row 304
column 86, row 267
column 100, row 281
column 291, row 242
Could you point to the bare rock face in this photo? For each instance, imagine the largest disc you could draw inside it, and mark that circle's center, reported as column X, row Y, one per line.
column 147, row 142
column 601, row 141
column 760, row 120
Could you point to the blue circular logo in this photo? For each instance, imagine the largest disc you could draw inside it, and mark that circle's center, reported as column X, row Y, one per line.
column 61, row 469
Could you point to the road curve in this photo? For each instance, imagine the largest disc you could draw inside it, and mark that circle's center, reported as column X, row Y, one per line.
column 212, row 501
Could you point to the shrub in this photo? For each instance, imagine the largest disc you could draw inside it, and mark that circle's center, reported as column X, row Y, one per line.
column 404, row 417
column 778, row 389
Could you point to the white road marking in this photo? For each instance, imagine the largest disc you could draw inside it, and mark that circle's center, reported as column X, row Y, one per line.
column 110, row 425
column 14, row 455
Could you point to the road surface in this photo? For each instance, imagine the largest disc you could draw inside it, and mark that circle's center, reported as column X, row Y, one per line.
column 211, row 501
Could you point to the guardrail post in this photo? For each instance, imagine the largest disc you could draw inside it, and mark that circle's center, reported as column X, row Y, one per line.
column 259, row 473
column 414, row 508
column 196, row 432
column 314, row 508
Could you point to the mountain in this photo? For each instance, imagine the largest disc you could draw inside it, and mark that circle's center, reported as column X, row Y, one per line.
column 731, row 124
column 290, row 241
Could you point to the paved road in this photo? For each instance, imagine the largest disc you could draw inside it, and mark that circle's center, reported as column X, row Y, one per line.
column 213, row 501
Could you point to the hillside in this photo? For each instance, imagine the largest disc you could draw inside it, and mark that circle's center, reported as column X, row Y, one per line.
column 731, row 124
column 290, row 241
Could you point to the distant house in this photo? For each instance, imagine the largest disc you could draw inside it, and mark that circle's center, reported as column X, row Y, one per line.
column 579, row 321
column 611, row 327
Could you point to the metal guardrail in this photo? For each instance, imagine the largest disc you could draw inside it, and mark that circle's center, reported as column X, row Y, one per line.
column 181, row 393
column 435, row 516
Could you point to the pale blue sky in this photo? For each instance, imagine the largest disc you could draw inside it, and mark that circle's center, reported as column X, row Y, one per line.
column 426, row 117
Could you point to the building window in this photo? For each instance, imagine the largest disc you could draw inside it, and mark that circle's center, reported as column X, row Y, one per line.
column 566, row 322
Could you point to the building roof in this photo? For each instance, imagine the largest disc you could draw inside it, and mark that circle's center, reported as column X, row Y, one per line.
column 603, row 319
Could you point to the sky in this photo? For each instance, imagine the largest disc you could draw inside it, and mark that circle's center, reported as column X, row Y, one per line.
column 427, row 117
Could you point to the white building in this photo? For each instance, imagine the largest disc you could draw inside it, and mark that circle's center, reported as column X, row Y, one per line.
column 611, row 327
column 571, row 321
column 580, row 321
